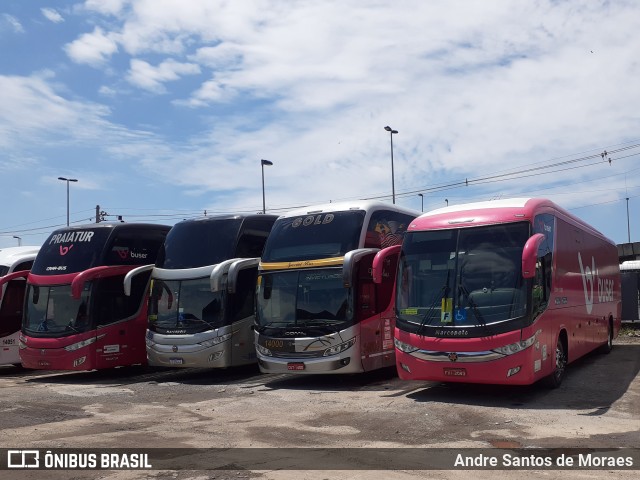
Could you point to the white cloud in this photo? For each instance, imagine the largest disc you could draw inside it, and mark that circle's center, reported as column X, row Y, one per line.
column 148, row 77
column 92, row 48
column 12, row 22
column 52, row 15
column 472, row 87
column 32, row 111
column 106, row 7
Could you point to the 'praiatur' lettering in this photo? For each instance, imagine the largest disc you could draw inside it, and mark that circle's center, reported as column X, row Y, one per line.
column 79, row 236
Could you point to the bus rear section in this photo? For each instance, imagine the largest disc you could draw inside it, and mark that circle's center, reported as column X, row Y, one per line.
column 76, row 315
column 202, row 295
column 317, row 307
column 15, row 263
column 513, row 293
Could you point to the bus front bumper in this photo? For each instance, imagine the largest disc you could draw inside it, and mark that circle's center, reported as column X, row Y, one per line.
column 57, row 359
column 343, row 363
column 517, row 369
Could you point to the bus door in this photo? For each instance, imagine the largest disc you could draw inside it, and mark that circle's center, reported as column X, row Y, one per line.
column 11, row 320
column 120, row 321
column 368, row 311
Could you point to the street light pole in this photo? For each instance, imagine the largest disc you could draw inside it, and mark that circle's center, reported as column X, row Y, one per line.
column 393, row 185
column 421, row 202
column 262, row 164
column 628, row 225
column 68, row 180
column 19, row 240
column 447, row 200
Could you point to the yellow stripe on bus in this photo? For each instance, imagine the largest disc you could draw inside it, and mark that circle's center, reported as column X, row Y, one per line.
column 325, row 262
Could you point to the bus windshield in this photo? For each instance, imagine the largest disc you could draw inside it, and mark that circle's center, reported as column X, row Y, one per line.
column 193, row 244
column 313, row 301
column 461, row 278
column 184, row 306
column 314, row 236
column 52, row 312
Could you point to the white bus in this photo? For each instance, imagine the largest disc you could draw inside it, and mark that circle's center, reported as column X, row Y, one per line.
column 196, row 318
column 318, row 309
column 15, row 263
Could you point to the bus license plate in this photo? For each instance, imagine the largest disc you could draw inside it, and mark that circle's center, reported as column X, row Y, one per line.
column 176, row 361
column 295, row 366
column 455, row 372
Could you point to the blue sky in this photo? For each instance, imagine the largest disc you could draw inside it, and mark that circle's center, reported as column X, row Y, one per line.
column 162, row 109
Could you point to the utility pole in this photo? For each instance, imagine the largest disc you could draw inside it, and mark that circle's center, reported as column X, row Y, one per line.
column 97, row 213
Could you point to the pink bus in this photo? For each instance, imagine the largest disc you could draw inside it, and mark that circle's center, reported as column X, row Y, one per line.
column 76, row 315
column 503, row 292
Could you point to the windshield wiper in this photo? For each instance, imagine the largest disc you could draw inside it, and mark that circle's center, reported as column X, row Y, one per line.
column 474, row 308
column 262, row 328
column 71, row 327
column 322, row 325
column 442, row 293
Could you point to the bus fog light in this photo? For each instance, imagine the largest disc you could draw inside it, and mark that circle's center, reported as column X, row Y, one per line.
column 79, row 361
column 405, row 367
column 513, row 371
column 345, row 361
column 215, row 356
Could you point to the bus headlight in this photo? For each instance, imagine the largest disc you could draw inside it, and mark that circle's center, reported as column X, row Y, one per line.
column 75, row 346
column 263, row 350
column 336, row 349
column 216, row 340
column 404, row 347
column 517, row 346
column 22, row 342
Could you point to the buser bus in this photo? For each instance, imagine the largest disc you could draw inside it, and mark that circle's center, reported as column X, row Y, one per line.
column 196, row 317
column 15, row 263
column 77, row 316
column 503, row 292
column 317, row 308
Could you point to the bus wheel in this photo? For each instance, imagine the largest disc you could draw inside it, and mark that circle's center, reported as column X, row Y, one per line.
column 607, row 347
column 555, row 379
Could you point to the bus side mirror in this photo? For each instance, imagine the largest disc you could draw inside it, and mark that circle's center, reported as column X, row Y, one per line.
column 350, row 261
column 7, row 278
column 378, row 261
column 530, row 255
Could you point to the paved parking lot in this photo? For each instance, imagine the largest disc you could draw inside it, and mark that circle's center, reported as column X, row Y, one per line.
column 597, row 407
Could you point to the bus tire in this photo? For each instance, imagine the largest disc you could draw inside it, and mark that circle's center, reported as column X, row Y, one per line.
column 607, row 347
column 560, row 357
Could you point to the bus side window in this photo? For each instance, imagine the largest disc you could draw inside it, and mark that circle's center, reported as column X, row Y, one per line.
column 243, row 300
column 250, row 245
column 542, row 281
column 545, row 224
column 11, row 309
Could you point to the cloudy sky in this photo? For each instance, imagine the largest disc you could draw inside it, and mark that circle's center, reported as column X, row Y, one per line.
column 162, row 109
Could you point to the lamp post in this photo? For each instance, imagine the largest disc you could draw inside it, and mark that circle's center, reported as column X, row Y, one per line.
column 447, row 200
column 68, row 180
column 19, row 240
column 628, row 225
column 393, row 185
column 262, row 164
column 421, row 202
